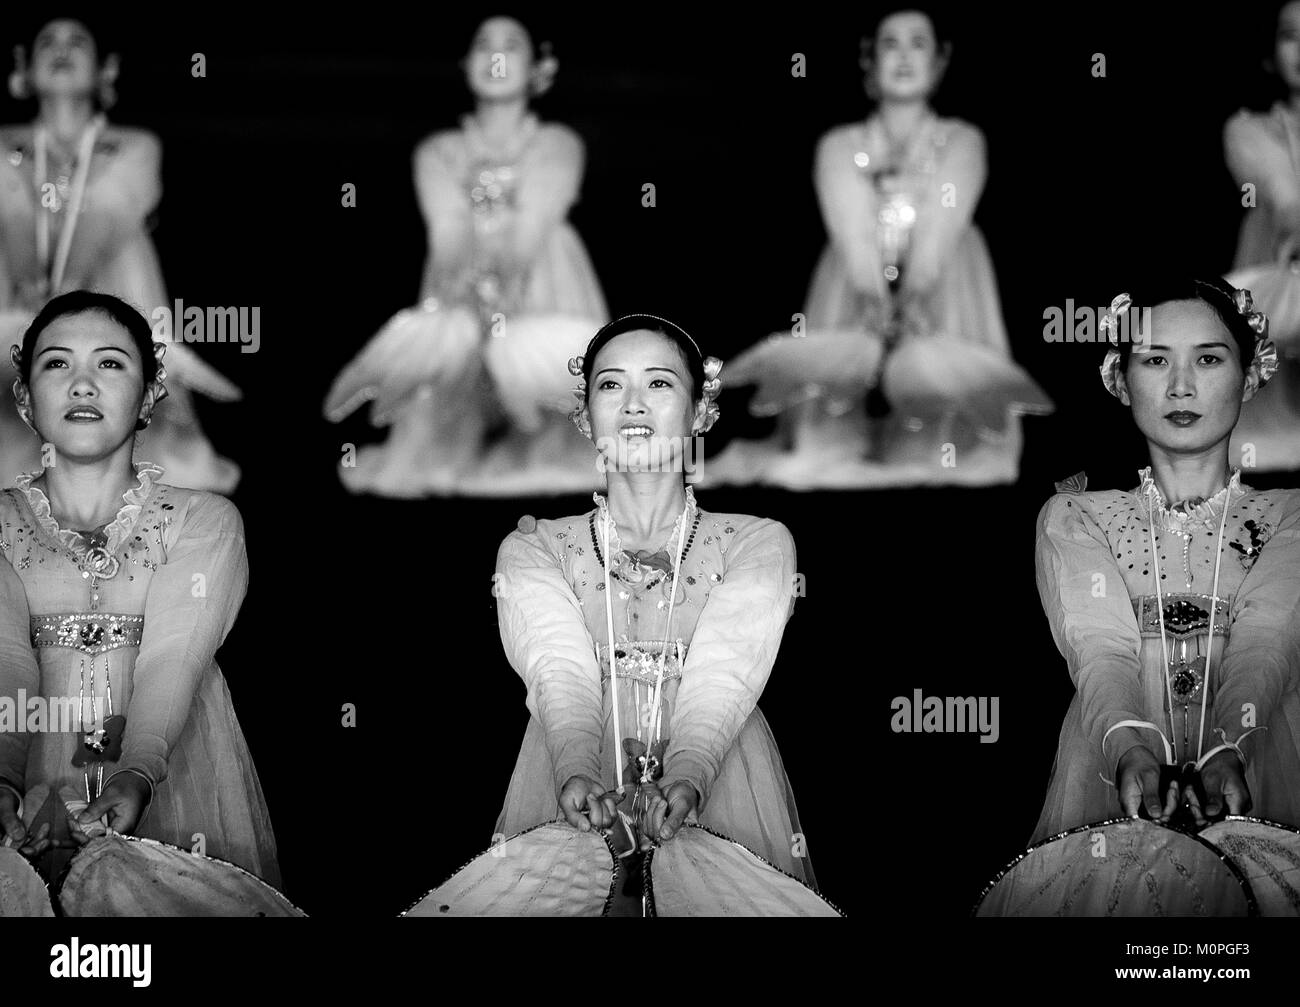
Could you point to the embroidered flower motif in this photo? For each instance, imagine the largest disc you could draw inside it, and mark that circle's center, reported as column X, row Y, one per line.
column 1259, row 534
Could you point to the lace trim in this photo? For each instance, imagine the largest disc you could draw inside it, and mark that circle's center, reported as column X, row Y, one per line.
column 615, row 542
column 116, row 532
column 1207, row 512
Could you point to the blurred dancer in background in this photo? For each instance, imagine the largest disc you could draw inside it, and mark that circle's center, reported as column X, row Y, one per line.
column 471, row 380
column 903, row 318
column 1263, row 154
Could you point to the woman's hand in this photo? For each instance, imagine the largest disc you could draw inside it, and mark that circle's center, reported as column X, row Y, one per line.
column 1224, row 784
column 123, row 800
column 1138, row 782
column 11, row 826
column 667, row 812
column 586, row 805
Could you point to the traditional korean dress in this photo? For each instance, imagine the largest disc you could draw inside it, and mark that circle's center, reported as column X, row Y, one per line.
column 736, row 593
column 139, row 616
column 488, row 345
column 905, row 298
column 108, row 249
column 1097, row 579
column 1263, row 151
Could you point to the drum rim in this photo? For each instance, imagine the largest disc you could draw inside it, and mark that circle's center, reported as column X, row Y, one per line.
column 49, row 896
column 647, row 875
column 189, row 853
column 1252, row 906
column 613, row 867
column 1254, row 821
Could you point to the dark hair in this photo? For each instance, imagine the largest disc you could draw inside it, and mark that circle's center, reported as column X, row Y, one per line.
column 651, row 323
column 77, row 302
column 1219, row 294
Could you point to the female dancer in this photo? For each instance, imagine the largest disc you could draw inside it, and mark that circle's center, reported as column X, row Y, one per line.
column 75, row 194
column 903, row 310
column 116, row 591
column 1176, row 604
column 692, row 604
column 1263, row 153
column 508, row 294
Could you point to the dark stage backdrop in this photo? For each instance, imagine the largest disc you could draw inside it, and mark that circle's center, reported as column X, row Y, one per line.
column 388, row 604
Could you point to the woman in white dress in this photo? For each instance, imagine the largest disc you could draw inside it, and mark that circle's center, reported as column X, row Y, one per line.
column 903, row 314
column 509, row 294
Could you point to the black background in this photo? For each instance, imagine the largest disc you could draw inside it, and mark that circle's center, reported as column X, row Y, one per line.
column 388, row 604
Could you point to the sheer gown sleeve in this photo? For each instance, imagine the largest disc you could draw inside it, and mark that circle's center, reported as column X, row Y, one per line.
column 1262, row 657
column 848, row 207
column 731, row 654
column 191, row 606
column 941, row 221
column 1093, row 624
column 18, row 675
column 547, row 644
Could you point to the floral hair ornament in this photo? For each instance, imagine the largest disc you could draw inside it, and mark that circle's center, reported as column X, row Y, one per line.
column 544, row 70
column 709, row 393
column 1262, row 366
column 579, row 415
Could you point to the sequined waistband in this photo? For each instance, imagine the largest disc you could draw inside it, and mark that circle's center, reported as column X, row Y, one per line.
column 1185, row 615
column 95, row 633
column 639, row 660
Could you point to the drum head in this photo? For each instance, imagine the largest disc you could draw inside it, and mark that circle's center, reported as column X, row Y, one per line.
column 1268, row 854
column 1121, row 867
column 549, row 870
column 702, row 873
column 120, row 875
column 22, row 892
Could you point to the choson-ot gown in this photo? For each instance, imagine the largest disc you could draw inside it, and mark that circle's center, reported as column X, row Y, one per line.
column 737, row 591
column 949, row 376
column 1095, row 577
column 111, row 251
column 152, row 630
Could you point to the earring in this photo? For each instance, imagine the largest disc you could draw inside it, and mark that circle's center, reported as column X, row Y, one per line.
column 544, row 71
column 20, row 85
column 107, row 81
column 23, row 403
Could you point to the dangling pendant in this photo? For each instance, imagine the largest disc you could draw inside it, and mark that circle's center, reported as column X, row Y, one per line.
column 1186, row 679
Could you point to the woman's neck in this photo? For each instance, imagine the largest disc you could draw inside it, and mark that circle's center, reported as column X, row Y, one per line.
column 1190, row 477
column 645, row 505
column 500, row 121
column 87, row 495
column 66, row 116
column 901, row 119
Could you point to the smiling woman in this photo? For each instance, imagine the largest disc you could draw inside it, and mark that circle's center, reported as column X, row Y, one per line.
column 117, row 589
column 645, row 629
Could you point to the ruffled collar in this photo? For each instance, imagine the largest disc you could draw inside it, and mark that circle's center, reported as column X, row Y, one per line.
column 615, row 542
column 114, row 533
column 1206, row 512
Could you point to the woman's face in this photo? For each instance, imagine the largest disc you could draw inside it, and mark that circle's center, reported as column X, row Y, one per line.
column 87, row 385
column 641, row 404
column 1286, row 52
column 500, row 60
column 1186, row 385
column 64, row 60
column 907, row 58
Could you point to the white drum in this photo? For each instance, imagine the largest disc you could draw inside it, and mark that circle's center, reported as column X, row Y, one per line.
column 117, row 875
